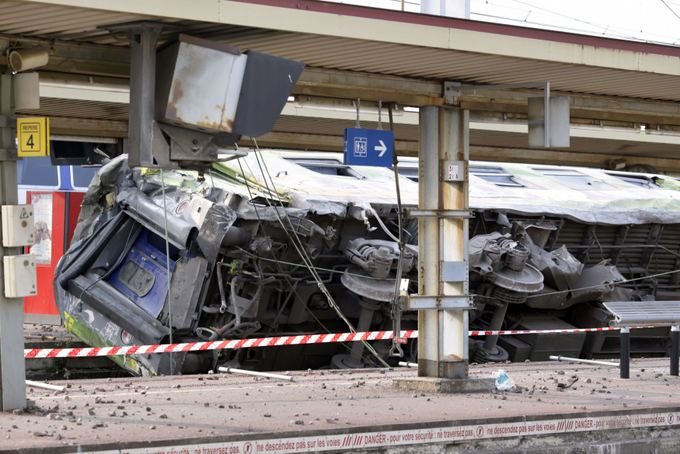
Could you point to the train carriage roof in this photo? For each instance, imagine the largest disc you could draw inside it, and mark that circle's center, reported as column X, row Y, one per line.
column 322, row 182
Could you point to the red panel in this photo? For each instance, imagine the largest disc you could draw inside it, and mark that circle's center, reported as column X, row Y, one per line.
column 76, row 199
column 43, row 302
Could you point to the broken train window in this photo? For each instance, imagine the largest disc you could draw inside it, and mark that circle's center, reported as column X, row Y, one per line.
column 573, row 178
column 642, row 181
column 409, row 172
column 327, row 167
column 495, row 175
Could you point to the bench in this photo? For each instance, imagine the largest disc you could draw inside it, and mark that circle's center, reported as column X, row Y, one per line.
column 628, row 314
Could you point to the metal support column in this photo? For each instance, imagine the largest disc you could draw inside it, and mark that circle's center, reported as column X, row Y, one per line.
column 443, row 331
column 675, row 349
column 624, row 362
column 12, row 364
column 142, row 94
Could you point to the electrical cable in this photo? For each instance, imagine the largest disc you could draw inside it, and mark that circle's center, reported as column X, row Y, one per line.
column 293, row 287
column 257, row 214
column 590, row 287
column 396, row 303
column 607, row 30
column 382, row 224
column 297, row 243
column 167, row 265
column 673, row 253
column 299, row 265
column 669, row 8
column 544, row 25
column 566, row 16
column 474, row 295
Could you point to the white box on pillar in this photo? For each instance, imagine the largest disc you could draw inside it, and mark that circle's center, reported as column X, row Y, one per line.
column 20, row 276
column 26, row 91
column 18, row 270
column 18, row 225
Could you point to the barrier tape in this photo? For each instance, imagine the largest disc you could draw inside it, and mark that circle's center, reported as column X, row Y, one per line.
column 433, row 435
column 303, row 339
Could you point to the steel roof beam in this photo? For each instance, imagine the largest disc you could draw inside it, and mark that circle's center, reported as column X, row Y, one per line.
column 110, row 64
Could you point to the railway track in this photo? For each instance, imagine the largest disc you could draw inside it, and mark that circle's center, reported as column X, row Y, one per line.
column 55, row 336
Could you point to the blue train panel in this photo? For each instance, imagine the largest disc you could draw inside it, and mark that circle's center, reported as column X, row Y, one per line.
column 142, row 275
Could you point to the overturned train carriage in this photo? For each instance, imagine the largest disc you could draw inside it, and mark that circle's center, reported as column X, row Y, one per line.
column 281, row 243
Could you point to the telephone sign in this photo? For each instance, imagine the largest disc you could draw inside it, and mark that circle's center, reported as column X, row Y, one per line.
column 369, row 147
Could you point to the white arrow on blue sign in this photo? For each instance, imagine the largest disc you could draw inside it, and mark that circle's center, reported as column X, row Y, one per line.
column 369, row 147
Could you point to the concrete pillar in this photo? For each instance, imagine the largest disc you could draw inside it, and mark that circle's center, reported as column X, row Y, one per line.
column 442, row 333
column 12, row 364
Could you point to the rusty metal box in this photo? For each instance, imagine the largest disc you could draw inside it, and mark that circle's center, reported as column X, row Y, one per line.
column 198, row 84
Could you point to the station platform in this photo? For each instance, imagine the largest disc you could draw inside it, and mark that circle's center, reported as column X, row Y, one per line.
column 559, row 407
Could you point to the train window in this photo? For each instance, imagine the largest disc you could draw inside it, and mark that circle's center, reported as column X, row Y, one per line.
column 573, row 178
column 136, row 278
column 327, row 167
column 638, row 180
column 38, row 172
column 495, row 175
column 82, row 176
column 409, row 172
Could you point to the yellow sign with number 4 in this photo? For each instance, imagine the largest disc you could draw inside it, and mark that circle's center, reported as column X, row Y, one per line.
column 33, row 137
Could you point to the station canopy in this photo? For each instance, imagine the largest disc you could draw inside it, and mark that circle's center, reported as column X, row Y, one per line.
column 624, row 94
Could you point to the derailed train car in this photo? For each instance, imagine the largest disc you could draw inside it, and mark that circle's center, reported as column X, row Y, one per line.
column 278, row 243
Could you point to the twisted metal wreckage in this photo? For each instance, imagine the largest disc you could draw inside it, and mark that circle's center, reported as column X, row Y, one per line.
column 276, row 243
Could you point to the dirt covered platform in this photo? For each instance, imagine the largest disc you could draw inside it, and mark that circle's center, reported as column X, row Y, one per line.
column 554, row 405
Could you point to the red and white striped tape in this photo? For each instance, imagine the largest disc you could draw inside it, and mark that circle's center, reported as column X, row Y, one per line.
column 278, row 341
column 303, row 339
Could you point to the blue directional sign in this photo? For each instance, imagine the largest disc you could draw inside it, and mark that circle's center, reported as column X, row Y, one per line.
column 369, row 147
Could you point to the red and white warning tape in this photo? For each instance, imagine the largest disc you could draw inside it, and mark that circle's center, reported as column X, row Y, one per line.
column 215, row 345
column 278, row 341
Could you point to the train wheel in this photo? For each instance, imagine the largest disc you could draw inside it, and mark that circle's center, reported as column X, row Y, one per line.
column 495, row 355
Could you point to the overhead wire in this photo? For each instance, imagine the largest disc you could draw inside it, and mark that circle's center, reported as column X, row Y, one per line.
column 605, row 30
column 669, row 8
column 571, row 18
column 396, row 303
column 307, row 261
column 167, row 265
column 546, row 25
column 295, row 239
column 299, row 247
column 250, row 194
column 257, row 214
